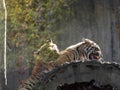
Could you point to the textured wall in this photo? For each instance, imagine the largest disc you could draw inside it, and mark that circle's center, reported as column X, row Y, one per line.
column 98, row 21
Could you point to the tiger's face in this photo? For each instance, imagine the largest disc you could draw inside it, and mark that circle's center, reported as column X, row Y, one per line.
column 95, row 54
column 48, row 51
column 53, row 47
column 93, row 51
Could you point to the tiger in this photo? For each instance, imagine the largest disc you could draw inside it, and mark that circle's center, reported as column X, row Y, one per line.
column 86, row 50
column 48, row 52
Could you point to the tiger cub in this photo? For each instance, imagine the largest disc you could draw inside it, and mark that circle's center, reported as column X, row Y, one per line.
column 48, row 52
column 85, row 50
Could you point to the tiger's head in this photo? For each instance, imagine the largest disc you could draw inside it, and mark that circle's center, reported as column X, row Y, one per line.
column 92, row 50
column 47, row 52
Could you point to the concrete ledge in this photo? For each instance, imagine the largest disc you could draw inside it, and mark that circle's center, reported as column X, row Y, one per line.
column 102, row 72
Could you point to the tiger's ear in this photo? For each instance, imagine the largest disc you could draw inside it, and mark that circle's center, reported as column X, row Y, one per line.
column 88, row 41
column 85, row 40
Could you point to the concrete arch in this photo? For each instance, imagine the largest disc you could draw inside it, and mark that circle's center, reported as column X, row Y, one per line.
column 104, row 73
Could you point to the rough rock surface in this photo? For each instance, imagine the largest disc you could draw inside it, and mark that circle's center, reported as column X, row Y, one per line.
column 103, row 73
